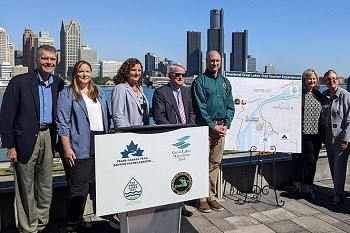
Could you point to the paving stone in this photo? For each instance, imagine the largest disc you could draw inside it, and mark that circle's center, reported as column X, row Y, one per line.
column 271, row 196
column 341, row 214
column 201, row 224
column 231, row 205
column 241, row 198
column 313, row 224
column 243, row 211
column 326, row 218
column 222, row 225
column 342, row 226
column 242, row 221
column 262, row 206
column 196, row 213
column 323, row 191
column 190, row 208
column 217, row 215
column 285, row 226
column 279, row 214
column 261, row 218
column 299, row 208
column 193, row 209
column 186, row 226
column 324, row 205
column 252, row 229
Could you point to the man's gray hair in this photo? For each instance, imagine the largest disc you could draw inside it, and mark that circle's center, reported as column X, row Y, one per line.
column 172, row 69
column 47, row 48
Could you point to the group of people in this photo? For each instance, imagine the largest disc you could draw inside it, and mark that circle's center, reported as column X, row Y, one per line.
column 325, row 119
column 36, row 107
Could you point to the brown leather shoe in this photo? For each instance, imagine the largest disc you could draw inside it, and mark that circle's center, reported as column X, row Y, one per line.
column 215, row 205
column 203, row 207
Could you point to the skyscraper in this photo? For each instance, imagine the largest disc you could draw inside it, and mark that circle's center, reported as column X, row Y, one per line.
column 151, row 63
column 89, row 55
column 4, row 46
column 43, row 39
column 194, row 53
column 270, row 69
column 251, row 64
column 70, row 43
column 109, row 68
column 5, row 70
column 163, row 66
column 28, row 49
column 239, row 53
column 216, row 40
column 12, row 54
column 18, row 57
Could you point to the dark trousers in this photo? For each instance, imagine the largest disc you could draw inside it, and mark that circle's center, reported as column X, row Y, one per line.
column 81, row 180
column 304, row 164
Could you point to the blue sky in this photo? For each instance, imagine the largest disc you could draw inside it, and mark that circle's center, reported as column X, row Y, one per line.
column 293, row 35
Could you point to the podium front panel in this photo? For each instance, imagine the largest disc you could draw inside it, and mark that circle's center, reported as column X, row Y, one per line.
column 137, row 171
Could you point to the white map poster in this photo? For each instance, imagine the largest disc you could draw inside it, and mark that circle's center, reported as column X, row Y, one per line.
column 268, row 112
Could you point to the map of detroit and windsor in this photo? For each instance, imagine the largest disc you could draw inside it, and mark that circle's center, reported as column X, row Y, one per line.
column 268, row 112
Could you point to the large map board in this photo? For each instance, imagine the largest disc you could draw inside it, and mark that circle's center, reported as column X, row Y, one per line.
column 267, row 112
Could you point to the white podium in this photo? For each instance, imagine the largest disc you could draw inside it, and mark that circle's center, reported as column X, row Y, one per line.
column 146, row 174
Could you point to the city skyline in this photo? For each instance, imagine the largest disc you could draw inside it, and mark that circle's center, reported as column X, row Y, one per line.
column 291, row 35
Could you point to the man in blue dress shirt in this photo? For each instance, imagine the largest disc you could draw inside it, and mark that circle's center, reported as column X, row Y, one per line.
column 28, row 132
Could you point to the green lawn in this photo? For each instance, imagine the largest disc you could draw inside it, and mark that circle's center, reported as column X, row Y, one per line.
column 56, row 170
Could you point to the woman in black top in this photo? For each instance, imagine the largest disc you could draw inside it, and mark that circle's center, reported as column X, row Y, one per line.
column 304, row 164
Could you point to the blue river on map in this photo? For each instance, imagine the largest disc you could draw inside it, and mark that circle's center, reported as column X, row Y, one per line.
column 286, row 95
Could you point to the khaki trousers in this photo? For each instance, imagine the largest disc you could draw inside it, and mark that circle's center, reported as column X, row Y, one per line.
column 33, row 186
column 216, row 150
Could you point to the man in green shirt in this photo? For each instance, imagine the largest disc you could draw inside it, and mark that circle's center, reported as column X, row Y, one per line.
column 214, row 107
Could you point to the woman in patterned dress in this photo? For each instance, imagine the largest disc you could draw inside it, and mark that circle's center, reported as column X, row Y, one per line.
column 336, row 127
column 304, row 164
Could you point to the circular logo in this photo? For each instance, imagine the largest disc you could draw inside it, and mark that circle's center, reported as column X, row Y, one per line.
column 181, row 183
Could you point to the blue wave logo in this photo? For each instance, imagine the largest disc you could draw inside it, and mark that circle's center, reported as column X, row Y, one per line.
column 182, row 144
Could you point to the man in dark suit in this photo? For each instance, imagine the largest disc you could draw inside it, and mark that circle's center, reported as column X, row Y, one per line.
column 27, row 122
column 172, row 104
column 166, row 108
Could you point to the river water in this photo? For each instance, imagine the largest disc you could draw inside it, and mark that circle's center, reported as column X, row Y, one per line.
column 108, row 92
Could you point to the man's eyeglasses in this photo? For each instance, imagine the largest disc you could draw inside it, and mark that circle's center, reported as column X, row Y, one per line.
column 179, row 74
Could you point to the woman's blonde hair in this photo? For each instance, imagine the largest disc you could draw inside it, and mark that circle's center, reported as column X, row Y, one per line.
column 307, row 74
